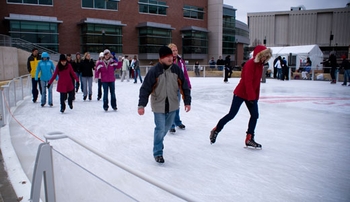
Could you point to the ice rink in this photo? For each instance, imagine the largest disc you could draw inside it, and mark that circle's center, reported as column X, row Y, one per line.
column 304, row 128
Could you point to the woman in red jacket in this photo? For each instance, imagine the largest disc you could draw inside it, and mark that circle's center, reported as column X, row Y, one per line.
column 247, row 91
column 64, row 85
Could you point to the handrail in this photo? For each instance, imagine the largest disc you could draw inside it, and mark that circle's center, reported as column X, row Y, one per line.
column 163, row 186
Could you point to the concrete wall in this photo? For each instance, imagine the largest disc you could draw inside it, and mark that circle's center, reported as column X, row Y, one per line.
column 8, row 63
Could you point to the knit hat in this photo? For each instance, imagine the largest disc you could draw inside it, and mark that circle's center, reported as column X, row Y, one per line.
column 77, row 53
column 106, row 52
column 63, row 57
column 165, row 51
column 101, row 55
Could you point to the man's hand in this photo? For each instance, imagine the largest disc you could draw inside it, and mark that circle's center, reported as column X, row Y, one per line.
column 187, row 108
column 141, row 111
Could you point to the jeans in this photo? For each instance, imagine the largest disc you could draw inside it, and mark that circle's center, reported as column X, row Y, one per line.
column 236, row 104
column 99, row 89
column 346, row 76
column 81, row 82
column 177, row 120
column 43, row 95
column 111, row 87
column 137, row 73
column 163, row 123
column 77, row 84
column 279, row 73
column 87, row 85
column 35, row 91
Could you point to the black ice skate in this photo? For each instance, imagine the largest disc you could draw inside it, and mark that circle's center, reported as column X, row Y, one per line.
column 213, row 135
column 159, row 159
column 250, row 142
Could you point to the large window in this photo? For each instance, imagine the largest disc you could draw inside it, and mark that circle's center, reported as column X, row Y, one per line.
column 100, row 4
column 229, row 32
column 193, row 12
column 151, row 39
column 152, row 6
column 38, row 2
column 194, row 42
column 42, row 33
column 97, row 37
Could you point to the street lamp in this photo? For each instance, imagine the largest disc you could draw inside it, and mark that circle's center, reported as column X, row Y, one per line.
column 103, row 38
column 183, row 54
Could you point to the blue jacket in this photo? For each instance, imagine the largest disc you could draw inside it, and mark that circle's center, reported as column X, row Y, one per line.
column 45, row 67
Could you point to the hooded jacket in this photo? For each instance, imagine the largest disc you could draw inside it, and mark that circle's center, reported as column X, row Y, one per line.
column 64, row 83
column 248, row 87
column 106, row 70
column 45, row 68
column 163, row 85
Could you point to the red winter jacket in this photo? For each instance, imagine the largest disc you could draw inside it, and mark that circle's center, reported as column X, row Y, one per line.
column 64, row 83
column 249, row 85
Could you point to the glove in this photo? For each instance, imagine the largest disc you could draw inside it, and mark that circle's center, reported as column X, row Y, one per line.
column 48, row 85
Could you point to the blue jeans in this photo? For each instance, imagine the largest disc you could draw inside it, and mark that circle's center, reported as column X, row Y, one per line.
column 137, row 73
column 236, row 104
column 111, row 87
column 87, row 85
column 177, row 120
column 43, row 90
column 163, row 123
column 346, row 76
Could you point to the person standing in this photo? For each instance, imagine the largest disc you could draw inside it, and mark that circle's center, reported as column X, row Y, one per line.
column 76, row 68
column 181, row 63
column 45, row 69
column 333, row 62
column 98, row 77
column 196, row 68
column 87, row 67
column 263, row 77
column 247, row 91
column 346, row 66
column 227, row 67
column 212, row 64
column 137, row 71
column 162, row 82
column 65, row 86
column 106, row 68
column 220, row 63
column 125, row 69
column 32, row 63
column 278, row 66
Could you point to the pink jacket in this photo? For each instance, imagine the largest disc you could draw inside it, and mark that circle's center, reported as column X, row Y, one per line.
column 106, row 70
column 64, row 83
column 182, row 66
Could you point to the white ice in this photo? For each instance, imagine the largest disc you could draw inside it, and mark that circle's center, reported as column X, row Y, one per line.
column 303, row 127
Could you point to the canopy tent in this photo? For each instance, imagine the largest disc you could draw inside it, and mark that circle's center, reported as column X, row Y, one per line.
column 299, row 55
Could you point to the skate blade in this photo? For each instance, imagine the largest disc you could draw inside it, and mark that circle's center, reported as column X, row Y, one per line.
column 253, row 148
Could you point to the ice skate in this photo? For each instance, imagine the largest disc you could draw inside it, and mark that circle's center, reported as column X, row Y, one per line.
column 213, row 135
column 250, row 142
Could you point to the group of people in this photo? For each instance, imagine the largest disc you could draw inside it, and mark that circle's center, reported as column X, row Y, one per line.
column 344, row 65
column 72, row 74
column 280, row 68
column 166, row 82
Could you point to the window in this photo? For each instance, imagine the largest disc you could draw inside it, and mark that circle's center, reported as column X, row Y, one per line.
column 100, row 4
column 229, row 31
column 42, row 33
column 152, row 6
column 193, row 12
column 151, row 39
column 194, row 42
column 97, row 37
column 37, row 2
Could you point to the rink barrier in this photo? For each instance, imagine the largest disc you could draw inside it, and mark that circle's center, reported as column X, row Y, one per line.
column 44, row 167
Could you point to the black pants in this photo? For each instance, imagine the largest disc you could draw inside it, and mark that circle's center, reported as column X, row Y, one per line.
column 285, row 73
column 227, row 70
column 35, row 91
column 333, row 69
column 63, row 98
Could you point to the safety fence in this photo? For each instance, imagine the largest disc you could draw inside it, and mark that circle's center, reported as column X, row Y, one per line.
column 58, row 176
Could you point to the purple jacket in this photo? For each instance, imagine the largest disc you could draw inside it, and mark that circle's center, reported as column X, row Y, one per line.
column 181, row 64
column 106, row 70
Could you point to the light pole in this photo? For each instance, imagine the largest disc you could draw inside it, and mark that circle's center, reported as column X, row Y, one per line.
column 103, row 38
column 183, row 39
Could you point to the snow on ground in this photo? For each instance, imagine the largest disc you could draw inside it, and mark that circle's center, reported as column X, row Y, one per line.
column 303, row 127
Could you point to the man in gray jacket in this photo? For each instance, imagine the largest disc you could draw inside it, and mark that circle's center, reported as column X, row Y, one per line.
column 162, row 82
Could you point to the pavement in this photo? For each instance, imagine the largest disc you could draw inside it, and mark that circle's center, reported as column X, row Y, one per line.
column 7, row 193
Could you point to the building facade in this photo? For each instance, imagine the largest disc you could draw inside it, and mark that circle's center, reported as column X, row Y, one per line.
column 328, row 28
column 130, row 27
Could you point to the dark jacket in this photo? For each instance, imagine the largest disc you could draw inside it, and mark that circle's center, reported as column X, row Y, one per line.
column 87, row 67
column 76, row 66
column 32, row 63
column 163, row 84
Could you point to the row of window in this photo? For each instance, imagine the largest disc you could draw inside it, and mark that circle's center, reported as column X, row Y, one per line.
column 96, row 37
column 145, row 6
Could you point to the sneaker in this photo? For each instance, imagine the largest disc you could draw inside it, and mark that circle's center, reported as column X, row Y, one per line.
column 172, row 130
column 182, row 126
column 250, row 142
column 159, row 159
column 213, row 135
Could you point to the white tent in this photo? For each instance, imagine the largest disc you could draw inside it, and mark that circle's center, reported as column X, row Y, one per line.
column 299, row 55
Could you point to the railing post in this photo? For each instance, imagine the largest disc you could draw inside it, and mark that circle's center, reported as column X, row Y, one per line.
column 43, row 168
column 2, row 109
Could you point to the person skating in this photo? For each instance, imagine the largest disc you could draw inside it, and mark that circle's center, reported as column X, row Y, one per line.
column 247, row 90
column 162, row 82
